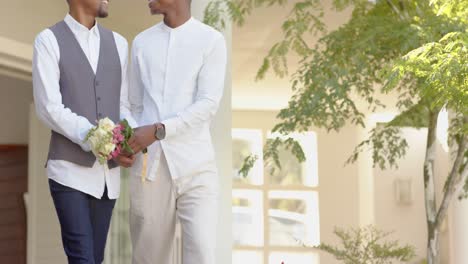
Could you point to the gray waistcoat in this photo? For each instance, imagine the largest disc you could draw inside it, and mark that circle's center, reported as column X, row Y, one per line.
column 90, row 95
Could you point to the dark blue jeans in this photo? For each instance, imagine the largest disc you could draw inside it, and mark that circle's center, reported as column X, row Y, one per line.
column 84, row 221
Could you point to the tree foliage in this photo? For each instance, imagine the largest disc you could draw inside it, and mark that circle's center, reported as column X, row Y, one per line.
column 416, row 49
column 367, row 245
column 413, row 48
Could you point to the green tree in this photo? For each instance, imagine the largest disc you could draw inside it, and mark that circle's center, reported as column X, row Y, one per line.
column 415, row 48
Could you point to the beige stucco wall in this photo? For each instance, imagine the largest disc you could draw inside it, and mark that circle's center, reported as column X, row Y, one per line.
column 340, row 188
column 338, row 185
column 408, row 221
column 15, row 97
column 347, row 198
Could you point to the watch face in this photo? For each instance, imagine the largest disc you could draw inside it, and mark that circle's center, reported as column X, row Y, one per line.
column 160, row 133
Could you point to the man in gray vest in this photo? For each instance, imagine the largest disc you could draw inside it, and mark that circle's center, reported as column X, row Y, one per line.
column 79, row 76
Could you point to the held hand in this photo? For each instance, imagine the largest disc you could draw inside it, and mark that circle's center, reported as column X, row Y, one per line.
column 142, row 138
column 125, row 161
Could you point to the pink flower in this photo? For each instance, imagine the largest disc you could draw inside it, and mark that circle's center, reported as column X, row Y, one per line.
column 119, row 128
column 117, row 136
column 116, row 152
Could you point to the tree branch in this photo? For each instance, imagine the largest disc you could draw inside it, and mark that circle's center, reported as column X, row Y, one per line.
column 455, row 181
column 429, row 185
column 395, row 9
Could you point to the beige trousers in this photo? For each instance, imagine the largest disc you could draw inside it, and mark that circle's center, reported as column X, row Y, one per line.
column 154, row 207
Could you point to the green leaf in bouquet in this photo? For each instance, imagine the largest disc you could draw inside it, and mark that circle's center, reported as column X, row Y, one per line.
column 90, row 133
column 127, row 148
column 127, row 131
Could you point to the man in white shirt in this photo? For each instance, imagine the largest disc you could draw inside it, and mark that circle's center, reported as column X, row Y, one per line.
column 176, row 83
column 79, row 76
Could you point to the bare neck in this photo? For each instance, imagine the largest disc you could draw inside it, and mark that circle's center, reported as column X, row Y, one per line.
column 82, row 17
column 177, row 18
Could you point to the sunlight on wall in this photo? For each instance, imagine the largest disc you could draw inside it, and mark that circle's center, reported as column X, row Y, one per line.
column 293, row 258
column 383, row 117
column 442, row 129
column 442, row 124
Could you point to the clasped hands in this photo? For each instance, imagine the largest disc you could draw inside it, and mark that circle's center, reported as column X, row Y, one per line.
column 142, row 137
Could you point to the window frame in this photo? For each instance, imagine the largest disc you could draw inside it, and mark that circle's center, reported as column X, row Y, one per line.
column 265, row 188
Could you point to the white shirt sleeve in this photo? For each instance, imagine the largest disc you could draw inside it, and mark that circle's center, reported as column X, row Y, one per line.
column 47, row 96
column 210, row 90
column 135, row 92
column 125, row 106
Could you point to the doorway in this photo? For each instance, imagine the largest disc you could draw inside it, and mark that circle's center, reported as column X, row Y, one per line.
column 13, row 186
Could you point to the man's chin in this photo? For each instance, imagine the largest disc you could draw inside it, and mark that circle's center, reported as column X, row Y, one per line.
column 102, row 13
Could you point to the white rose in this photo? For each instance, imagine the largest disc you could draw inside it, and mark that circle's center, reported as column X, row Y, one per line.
column 106, row 124
column 93, row 141
column 100, row 133
column 108, row 148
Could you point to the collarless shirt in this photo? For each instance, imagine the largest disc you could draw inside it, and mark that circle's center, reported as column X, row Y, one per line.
column 50, row 110
column 177, row 78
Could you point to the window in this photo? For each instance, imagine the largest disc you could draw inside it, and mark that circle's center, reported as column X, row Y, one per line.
column 275, row 214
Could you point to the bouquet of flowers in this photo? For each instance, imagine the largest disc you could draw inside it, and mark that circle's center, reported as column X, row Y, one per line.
column 108, row 140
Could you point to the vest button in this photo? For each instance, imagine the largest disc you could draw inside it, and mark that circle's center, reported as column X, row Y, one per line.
column 99, row 115
column 97, row 83
column 99, row 98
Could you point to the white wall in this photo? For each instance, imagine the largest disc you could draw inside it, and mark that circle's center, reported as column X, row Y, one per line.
column 44, row 245
column 409, row 221
column 23, row 20
column 341, row 190
column 15, row 97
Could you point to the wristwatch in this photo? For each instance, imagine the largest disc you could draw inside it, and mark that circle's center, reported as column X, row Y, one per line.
column 160, row 132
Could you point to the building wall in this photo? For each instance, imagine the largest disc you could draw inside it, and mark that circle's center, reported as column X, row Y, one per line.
column 15, row 97
column 408, row 221
column 339, row 188
column 338, row 185
column 44, row 242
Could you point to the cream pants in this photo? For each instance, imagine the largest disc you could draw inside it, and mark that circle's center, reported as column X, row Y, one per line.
column 154, row 208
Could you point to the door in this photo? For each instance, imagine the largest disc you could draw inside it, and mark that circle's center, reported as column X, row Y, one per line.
column 13, row 185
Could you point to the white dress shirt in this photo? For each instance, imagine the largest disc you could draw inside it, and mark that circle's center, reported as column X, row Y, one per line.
column 177, row 78
column 50, row 109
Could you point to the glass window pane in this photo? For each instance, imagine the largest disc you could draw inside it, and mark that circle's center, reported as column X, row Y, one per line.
column 293, row 172
column 247, row 142
column 293, row 218
column 293, row 258
column 247, row 217
column 244, row 257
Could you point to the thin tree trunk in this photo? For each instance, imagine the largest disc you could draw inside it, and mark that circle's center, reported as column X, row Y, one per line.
column 455, row 181
column 430, row 192
column 454, row 184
